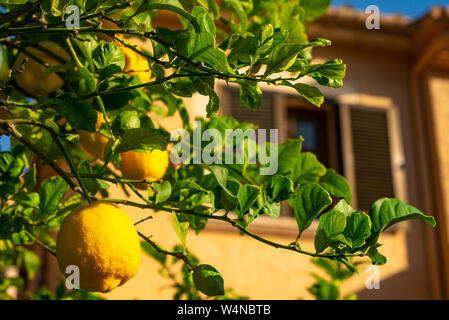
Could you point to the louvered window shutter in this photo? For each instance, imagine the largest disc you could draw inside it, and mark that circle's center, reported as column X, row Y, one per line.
column 372, row 157
column 263, row 118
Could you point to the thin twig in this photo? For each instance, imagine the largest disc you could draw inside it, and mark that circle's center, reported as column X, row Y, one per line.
column 178, row 255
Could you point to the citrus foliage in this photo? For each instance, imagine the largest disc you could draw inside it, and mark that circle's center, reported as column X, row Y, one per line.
column 241, row 42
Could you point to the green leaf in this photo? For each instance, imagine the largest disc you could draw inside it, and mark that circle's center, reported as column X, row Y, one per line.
column 282, row 57
column 307, row 169
column 289, row 152
column 31, row 262
column 79, row 114
column 330, row 229
column 169, row 5
column 221, row 174
column 250, row 94
column 208, row 280
column 202, row 45
column 278, row 188
column 329, row 74
column 107, row 54
column 315, row 8
column 386, row 212
column 151, row 251
column 10, row 166
column 205, row 86
column 51, row 191
column 211, row 6
column 311, row 94
column 55, row 7
column 143, row 139
column 344, row 207
column 237, row 7
column 160, row 192
column 181, row 229
column 92, row 185
column 376, row 258
column 358, row 228
column 86, row 82
column 247, row 196
column 309, row 202
column 69, row 204
column 324, row 290
column 336, row 185
column 29, row 178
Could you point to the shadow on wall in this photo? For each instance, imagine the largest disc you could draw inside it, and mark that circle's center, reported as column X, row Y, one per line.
column 402, row 285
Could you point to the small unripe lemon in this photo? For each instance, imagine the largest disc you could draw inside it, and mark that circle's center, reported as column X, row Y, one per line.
column 95, row 142
column 34, row 78
column 101, row 241
column 144, row 165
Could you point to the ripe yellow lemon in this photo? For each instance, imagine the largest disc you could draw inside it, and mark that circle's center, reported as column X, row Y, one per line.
column 144, row 165
column 135, row 64
column 95, row 142
column 34, row 78
column 101, row 241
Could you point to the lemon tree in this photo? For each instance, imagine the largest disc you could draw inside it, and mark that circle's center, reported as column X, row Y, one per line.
column 84, row 102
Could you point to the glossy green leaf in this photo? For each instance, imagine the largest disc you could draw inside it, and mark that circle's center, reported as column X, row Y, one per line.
column 336, row 185
column 289, row 152
column 79, row 114
column 328, row 74
column 278, row 188
column 170, row 5
column 330, row 229
column 386, row 212
column 237, row 7
column 282, row 57
column 51, row 192
column 31, row 261
column 376, row 258
column 315, row 8
column 309, row 202
column 109, row 59
column 160, row 192
column 29, row 178
column 358, row 228
column 152, row 252
column 311, row 94
column 250, row 95
column 10, row 166
column 247, row 196
column 181, row 229
column 143, row 139
column 307, row 169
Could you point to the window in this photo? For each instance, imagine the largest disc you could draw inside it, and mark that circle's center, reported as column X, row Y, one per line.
column 319, row 127
column 353, row 140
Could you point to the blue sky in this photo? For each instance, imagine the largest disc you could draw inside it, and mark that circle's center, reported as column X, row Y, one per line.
column 412, row 8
